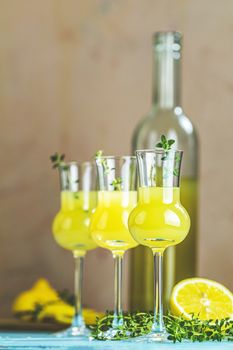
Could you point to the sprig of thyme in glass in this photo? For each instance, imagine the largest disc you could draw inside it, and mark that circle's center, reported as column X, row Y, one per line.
column 177, row 164
column 58, row 160
column 178, row 328
column 99, row 156
column 165, row 144
column 117, row 183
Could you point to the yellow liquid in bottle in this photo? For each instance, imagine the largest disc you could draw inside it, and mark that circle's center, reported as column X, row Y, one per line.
column 109, row 223
column 71, row 226
column 159, row 220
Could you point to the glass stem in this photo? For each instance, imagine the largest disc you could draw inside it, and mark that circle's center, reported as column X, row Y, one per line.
column 118, row 319
column 158, row 324
column 78, row 281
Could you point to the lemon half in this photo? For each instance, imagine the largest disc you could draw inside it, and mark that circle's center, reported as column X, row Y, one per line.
column 204, row 298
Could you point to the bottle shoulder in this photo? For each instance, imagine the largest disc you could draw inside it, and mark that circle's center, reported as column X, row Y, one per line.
column 174, row 123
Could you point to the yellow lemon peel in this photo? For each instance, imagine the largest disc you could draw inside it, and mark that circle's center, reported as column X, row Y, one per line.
column 40, row 293
column 51, row 306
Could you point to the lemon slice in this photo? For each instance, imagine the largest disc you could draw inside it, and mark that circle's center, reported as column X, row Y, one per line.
column 204, row 298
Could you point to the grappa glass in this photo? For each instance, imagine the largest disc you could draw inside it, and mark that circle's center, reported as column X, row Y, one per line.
column 71, row 228
column 117, row 196
column 159, row 220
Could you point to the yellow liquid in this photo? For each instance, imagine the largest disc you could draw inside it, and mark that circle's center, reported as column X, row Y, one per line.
column 109, row 223
column 159, row 220
column 71, row 226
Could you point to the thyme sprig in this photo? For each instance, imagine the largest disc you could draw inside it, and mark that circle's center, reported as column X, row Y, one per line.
column 117, row 184
column 103, row 161
column 59, row 163
column 178, row 328
column 198, row 330
column 58, row 160
column 134, row 325
column 177, row 164
column 165, row 144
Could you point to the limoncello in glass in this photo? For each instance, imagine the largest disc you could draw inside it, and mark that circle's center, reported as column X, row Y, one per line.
column 110, row 221
column 71, row 224
column 159, row 220
column 167, row 117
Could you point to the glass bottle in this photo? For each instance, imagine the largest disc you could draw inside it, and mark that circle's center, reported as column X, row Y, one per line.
column 167, row 117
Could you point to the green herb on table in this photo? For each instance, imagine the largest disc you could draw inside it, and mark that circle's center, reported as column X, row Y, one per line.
column 134, row 325
column 178, row 328
column 198, row 330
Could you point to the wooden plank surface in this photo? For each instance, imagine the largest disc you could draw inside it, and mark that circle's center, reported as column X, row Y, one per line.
column 18, row 325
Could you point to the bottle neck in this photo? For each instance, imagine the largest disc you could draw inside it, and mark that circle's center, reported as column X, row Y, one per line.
column 166, row 78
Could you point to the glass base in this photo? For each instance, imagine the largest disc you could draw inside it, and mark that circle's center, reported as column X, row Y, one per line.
column 153, row 337
column 111, row 333
column 74, row 331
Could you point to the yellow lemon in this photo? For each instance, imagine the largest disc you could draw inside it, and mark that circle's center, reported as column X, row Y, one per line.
column 204, row 298
column 58, row 311
column 52, row 307
column 41, row 293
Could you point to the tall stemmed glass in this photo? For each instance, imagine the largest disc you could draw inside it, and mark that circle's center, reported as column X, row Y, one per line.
column 71, row 227
column 159, row 220
column 109, row 224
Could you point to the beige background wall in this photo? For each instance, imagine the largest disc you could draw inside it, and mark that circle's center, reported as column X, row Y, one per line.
column 75, row 76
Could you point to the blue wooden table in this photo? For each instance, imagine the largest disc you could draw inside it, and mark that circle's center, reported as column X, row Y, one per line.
column 47, row 341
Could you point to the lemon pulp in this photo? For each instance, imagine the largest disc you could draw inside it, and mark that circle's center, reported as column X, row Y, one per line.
column 206, row 299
